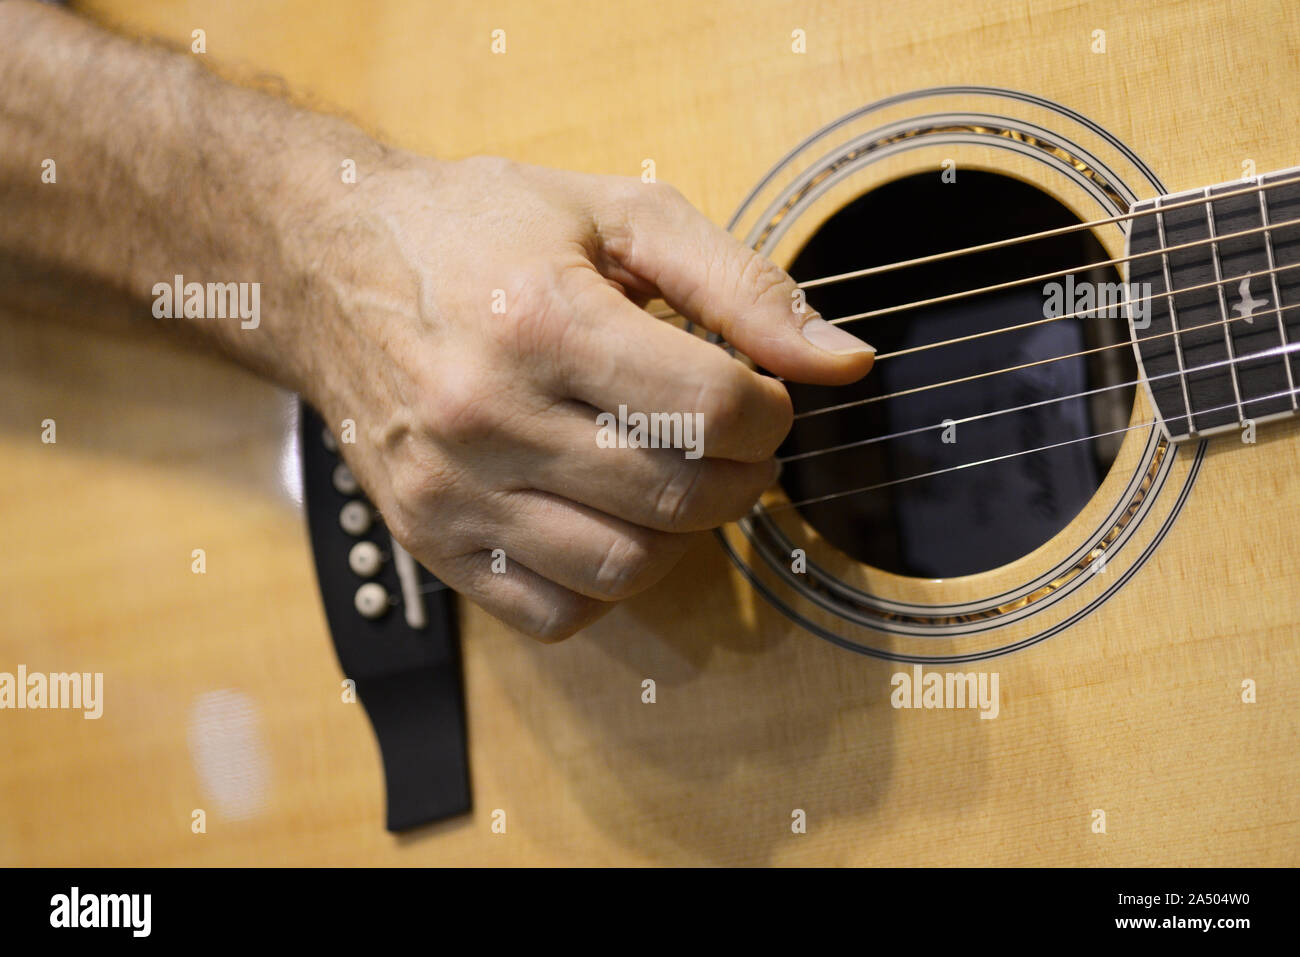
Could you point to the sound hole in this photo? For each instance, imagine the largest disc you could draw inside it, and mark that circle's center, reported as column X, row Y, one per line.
column 968, row 517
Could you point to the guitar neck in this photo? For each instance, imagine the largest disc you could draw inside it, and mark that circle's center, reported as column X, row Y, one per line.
column 1214, row 301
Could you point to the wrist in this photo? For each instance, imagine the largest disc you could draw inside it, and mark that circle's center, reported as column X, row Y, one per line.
column 270, row 221
column 349, row 255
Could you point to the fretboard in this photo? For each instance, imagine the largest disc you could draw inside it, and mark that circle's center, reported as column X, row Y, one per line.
column 1221, row 343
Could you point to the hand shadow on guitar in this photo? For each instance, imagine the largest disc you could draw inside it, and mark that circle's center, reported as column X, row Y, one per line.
column 753, row 719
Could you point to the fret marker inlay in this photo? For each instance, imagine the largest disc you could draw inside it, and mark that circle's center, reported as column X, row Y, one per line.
column 1215, row 267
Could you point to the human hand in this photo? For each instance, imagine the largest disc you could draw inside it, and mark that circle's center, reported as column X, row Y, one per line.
column 476, row 317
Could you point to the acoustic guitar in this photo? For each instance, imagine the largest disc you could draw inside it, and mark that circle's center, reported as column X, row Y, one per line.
column 1027, row 594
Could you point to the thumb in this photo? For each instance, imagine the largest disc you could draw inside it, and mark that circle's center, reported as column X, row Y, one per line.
column 711, row 278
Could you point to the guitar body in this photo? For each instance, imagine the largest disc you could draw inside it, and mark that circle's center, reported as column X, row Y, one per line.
column 1149, row 710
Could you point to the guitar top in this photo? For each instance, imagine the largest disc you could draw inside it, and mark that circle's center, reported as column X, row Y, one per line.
column 1026, row 599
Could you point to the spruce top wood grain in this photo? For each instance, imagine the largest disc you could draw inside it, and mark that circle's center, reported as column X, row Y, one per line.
column 1136, row 710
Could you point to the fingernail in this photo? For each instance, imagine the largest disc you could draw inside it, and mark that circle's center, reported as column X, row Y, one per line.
column 833, row 339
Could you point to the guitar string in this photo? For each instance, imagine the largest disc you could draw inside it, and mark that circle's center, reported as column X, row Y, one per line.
column 1080, row 313
column 1038, row 322
column 1045, row 234
column 969, row 250
column 1084, row 313
column 956, row 296
column 1260, row 187
column 876, row 270
column 761, row 509
column 1038, row 362
column 1265, row 354
column 1164, row 250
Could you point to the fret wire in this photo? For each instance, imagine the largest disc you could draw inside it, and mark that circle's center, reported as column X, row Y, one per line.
column 1277, row 292
column 1258, row 398
column 1223, row 303
column 1079, row 314
column 1173, row 314
column 1026, row 280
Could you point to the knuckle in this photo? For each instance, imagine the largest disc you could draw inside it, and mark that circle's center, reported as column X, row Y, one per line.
column 661, row 202
column 564, row 618
column 774, row 423
column 418, row 491
column 764, row 282
column 531, row 322
column 675, row 505
column 720, row 398
column 412, row 490
column 744, row 412
column 657, row 193
column 668, row 194
column 615, row 220
column 460, row 409
column 622, row 568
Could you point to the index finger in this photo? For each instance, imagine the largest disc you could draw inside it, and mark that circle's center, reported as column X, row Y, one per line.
column 710, row 277
column 624, row 360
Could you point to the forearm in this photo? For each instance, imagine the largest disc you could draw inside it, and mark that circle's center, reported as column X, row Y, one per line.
column 159, row 169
